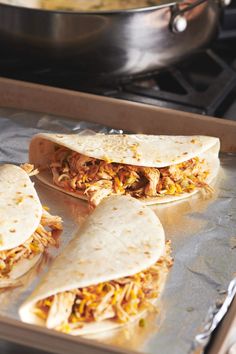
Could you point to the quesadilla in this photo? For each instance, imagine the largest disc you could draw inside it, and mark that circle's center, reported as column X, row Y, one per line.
column 26, row 228
column 154, row 169
column 108, row 275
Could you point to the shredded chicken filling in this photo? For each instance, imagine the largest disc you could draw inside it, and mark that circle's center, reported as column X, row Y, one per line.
column 116, row 300
column 43, row 236
column 98, row 179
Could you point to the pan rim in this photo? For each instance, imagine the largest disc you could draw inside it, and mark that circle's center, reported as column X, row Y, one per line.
column 163, row 4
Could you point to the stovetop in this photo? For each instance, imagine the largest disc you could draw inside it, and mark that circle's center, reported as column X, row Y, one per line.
column 204, row 83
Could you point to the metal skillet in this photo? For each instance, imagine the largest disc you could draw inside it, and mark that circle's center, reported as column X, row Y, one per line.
column 112, row 43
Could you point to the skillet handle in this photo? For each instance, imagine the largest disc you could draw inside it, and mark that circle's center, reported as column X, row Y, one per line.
column 178, row 22
column 225, row 3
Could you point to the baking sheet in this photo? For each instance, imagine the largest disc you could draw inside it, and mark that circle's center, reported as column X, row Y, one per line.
column 202, row 231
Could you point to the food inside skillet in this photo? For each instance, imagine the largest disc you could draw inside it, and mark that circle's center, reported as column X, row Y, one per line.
column 92, row 5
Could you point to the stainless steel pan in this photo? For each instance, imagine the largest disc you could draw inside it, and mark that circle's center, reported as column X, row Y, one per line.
column 110, row 43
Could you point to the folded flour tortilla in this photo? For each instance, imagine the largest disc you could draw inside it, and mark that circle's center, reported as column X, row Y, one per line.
column 26, row 229
column 154, row 169
column 108, row 275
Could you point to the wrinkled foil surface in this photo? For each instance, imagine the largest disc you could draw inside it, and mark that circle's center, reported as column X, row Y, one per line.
column 202, row 229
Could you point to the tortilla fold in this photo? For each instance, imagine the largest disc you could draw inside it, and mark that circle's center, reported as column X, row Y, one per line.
column 147, row 155
column 21, row 217
column 111, row 244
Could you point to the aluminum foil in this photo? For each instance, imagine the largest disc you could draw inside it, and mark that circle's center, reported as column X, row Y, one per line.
column 202, row 229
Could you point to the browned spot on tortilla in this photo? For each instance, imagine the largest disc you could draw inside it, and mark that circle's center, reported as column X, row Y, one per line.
column 146, row 244
column 132, row 248
column 18, row 200
column 140, row 212
column 12, row 230
column 185, row 153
